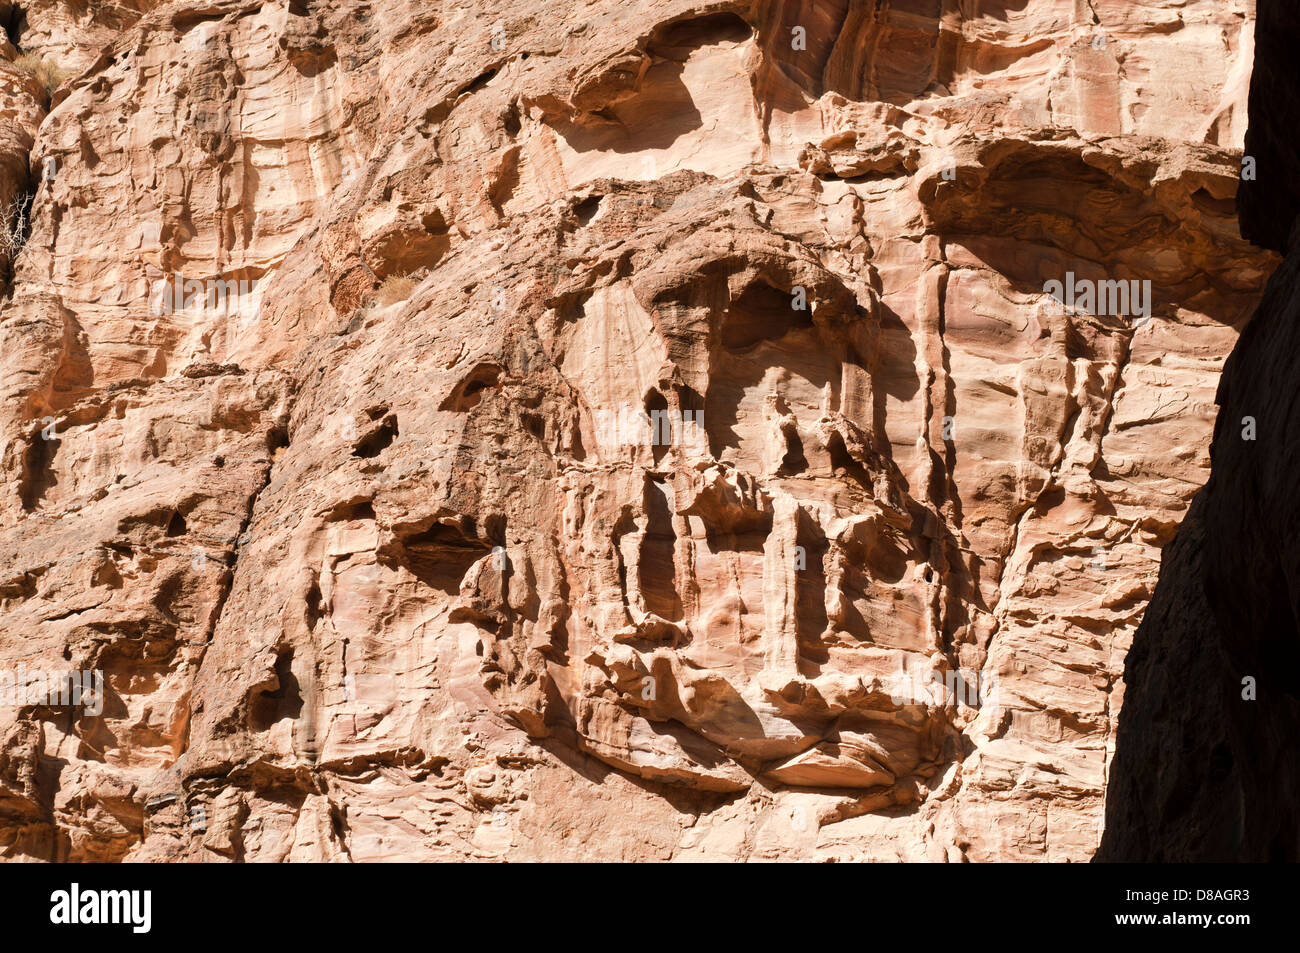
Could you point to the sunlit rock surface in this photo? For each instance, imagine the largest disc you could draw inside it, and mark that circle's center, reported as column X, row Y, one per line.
column 618, row 430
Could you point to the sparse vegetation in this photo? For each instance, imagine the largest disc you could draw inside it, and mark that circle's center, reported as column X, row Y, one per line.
column 14, row 225
column 395, row 288
column 50, row 75
column 391, row 290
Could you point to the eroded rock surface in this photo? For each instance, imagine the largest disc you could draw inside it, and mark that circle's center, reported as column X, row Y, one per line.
column 629, row 432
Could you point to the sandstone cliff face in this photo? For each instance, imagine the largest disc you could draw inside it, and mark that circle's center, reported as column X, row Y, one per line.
column 623, row 430
column 1207, row 768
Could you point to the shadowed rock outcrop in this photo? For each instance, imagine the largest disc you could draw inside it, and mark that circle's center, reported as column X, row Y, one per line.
column 1207, row 766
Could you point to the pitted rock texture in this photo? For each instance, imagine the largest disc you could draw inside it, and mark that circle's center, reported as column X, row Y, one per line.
column 370, row 571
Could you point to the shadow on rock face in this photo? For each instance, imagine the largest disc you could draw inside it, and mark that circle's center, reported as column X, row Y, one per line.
column 1206, row 765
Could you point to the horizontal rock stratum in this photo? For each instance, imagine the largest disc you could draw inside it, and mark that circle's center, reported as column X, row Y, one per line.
column 619, row 430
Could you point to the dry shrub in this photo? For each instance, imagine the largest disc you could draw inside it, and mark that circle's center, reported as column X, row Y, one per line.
column 395, row 288
column 14, row 225
column 48, row 74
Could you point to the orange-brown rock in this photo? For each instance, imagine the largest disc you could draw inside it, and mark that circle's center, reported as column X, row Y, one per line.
column 624, row 430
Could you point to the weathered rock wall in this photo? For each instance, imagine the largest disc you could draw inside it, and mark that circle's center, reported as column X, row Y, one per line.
column 368, row 542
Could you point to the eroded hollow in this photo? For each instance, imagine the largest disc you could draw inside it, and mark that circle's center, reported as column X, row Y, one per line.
column 675, row 41
column 378, row 440
column 441, row 555
column 284, row 701
column 766, row 347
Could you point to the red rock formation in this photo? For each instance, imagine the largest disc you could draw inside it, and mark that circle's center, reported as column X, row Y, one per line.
column 330, row 369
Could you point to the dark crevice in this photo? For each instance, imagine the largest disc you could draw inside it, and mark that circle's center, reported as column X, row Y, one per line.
column 37, row 477
column 378, row 440
column 176, row 525
column 441, row 555
column 283, row 701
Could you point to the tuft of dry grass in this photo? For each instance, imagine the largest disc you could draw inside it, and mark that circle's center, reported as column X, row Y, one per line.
column 395, row 288
column 49, row 75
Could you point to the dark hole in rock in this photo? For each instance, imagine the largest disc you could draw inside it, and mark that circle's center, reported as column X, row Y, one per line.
column 657, row 564
column 762, row 313
column 675, row 41
column 441, row 555
column 586, row 209
column 313, row 608
column 512, row 124
column 284, row 702
column 535, row 425
column 378, row 440
column 467, row 395
column 481, row 80
column 794, row 461
column 844, row 464
column 662, row 432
